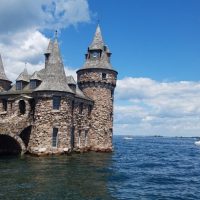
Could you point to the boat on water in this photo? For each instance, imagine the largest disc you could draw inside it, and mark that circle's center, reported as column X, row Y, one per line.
column 197, row 143
column 128, row 138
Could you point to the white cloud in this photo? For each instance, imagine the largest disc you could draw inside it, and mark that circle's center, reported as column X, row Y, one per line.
column 165, row 108
column 20, row 15
column 22, row 22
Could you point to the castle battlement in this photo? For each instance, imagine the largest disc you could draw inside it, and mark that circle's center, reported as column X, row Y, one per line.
column 50, row 113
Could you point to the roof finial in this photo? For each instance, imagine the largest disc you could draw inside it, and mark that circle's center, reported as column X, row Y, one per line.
column 56, row 34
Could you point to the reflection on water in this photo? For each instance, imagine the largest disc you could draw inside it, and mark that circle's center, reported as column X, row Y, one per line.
column 80, row 176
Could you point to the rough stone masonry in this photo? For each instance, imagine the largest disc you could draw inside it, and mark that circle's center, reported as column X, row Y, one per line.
column 49, row 113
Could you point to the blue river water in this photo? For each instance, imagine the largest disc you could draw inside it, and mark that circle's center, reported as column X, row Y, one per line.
column 144, row 168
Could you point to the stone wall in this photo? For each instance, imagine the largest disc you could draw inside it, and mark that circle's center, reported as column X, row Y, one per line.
column 45, row 119
column 67, row 117
column 81, row 124
column 101, row 91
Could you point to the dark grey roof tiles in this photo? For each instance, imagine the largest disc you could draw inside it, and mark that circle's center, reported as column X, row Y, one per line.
column 54, row 78
column 2, row 72
column 103, row 61
column 35, row 76
column 97, row 42
column 98, row 63
column 24, row 76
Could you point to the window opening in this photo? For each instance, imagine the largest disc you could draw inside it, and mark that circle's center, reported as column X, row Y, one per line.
column 55, row 137
column 56, row 102
column 22, row 107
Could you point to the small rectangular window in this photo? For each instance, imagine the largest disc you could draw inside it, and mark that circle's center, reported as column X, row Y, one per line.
column 5, row 104
column 86, row 137
column 55, row 137
column 104, row 76
column 19, row 85
column 79, row 138
column 112, row 94
column 33, row 84
column 56, row 102
column 89, row 110
column 81, row 108
column 111, row 116
column 72, row 137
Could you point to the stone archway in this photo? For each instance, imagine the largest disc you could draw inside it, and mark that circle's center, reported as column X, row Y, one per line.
column 11, row 144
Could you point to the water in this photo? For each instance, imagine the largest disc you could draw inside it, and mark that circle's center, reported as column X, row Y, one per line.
column 145, row 168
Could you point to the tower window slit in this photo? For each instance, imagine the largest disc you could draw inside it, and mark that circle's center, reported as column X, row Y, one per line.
column 5, row 104
column 55, row 137
column 81, row 108
column 86, row 137
column 89, row 110
column 79, row 138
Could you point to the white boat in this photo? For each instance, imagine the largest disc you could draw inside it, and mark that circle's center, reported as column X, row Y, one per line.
column 197, row 143
column 128, row 138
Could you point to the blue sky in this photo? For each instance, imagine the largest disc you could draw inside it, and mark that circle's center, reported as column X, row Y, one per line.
column 156, row 39
column 155, row 46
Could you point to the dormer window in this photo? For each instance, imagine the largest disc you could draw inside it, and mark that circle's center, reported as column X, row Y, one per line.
column 95, row 54
column 104, row 76
column 33, row 84
column 19, row 85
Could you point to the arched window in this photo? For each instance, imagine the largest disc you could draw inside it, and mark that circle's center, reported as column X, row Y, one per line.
column 22, row 107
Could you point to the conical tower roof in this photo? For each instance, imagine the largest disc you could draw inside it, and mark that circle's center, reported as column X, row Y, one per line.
column 23, row 76
column 97, row 42
column 102, row 61
column 54, row 75
column 2, row 72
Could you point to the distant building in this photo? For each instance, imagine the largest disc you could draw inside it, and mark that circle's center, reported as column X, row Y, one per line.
column 49, row 113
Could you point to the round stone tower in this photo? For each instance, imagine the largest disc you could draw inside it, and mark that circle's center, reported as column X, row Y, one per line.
column 97, row 80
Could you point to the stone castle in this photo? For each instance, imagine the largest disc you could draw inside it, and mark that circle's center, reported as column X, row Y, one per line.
column 49, row 113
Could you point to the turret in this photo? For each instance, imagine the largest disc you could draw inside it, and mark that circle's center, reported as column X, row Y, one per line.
column 97, row 80
column 5, row 83
column 53, row 105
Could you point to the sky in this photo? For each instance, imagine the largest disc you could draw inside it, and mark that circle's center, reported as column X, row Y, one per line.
column 155, row 48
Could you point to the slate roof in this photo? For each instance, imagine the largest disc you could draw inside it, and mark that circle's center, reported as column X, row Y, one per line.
column 2, row 72
column 97, row 42
column 54, row 78
column 98, row 45
column 23, row 76
column 35, row 76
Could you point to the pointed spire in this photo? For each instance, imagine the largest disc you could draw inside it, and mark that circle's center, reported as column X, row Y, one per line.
column 54, row 76
column 97, row 42
column 2, row 72
column 55, row 56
